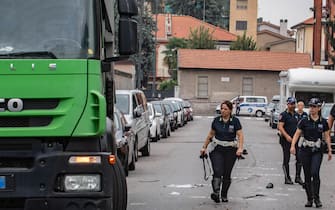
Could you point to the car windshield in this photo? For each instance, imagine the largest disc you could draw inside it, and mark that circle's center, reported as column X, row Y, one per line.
column 158, row 108
column 116, row 121
column 150, row 109
column 47, row 28
column 122, row 103
column 325, row 111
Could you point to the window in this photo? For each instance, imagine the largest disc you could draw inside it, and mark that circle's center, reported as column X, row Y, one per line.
column 247, row 86
column 242, row 4
column 241, row 25
column 202, row 86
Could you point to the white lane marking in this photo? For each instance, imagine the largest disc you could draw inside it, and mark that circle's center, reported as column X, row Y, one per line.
column 138, row 204
column 210, row 117
column 180, row 186
column 198, row 197
column 174, row 193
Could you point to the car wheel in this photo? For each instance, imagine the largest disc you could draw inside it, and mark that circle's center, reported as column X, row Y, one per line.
column 259, row 113
column 132, row 163
column 155, row 139
column 146, row 150
column 274, row 125
column 136, row 150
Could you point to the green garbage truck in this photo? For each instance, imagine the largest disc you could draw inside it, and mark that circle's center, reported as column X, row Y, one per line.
column 57, row 149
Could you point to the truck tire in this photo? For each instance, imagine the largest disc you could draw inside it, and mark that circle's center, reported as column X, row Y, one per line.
column 119, row 187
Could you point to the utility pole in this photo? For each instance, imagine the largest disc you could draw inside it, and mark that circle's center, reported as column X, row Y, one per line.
column 317, row 32
column 154, row 57
column 204, row 12
column 139, row 70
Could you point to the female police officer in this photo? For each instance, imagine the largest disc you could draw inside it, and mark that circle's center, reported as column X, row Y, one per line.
column 312, row 127
column 224, row 130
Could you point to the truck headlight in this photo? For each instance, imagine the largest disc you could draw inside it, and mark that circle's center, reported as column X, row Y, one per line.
column 86, row 182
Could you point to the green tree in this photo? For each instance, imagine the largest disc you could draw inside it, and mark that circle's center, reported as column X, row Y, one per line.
column 330, row 31
column 243, row 42
column 145, row 57
column 215, row 10
column 171, row 54
column 168, row 84
column 201, row 38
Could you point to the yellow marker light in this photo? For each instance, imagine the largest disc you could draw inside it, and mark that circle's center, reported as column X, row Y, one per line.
column 85, row 160
column 112, row 159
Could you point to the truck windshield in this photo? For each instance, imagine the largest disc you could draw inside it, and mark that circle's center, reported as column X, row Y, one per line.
column 47, row 29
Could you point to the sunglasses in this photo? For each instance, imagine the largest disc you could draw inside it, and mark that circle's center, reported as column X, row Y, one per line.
column 293, row 103
column 313, row 106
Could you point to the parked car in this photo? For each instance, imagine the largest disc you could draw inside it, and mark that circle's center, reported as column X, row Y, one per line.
column 249, row 105
column 155, row 128
column 163, row 118
column 325, row 111
column 268, row 111
column 274, row 116
column 173, row 115
column 188, row 107
column 177, row 102
column 133, row 104
column 124, row 142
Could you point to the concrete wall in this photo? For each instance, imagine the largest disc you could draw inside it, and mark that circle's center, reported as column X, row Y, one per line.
column 263, row 39
column 305, row 41
column 265, row 83
column 249, row 15
column 284, row 47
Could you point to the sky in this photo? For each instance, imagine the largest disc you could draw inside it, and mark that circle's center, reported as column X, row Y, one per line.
column 295, row 11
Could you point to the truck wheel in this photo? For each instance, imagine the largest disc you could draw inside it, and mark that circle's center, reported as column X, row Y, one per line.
column 146, row 150
column 259, row 113
column 119, row 187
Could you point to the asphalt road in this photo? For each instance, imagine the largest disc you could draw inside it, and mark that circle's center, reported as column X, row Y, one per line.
column 172, row 177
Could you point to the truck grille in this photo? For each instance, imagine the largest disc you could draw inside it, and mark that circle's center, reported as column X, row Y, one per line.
column 18, row 122
column 33, row 104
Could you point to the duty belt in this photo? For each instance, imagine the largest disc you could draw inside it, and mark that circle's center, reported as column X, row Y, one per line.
column 225, row 143
column 306, row 143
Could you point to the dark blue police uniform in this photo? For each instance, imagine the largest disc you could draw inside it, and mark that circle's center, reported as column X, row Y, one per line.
column 290, row 121
column 223, row 158
column 311, row 157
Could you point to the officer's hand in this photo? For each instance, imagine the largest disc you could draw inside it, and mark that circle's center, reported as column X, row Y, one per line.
column 289, row 139
column 203, row 151
column 330, row 155
column 239, row 152
column 292, row 150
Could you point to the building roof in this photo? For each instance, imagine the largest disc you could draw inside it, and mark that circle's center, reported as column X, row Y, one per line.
column 269, row 24
column 181, row 25
column 272, row 34
column 241, row 60
column 309, row 21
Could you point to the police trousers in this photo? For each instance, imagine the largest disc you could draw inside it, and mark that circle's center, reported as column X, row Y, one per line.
column 311, row 163
column 223, row 160
column 286, row 146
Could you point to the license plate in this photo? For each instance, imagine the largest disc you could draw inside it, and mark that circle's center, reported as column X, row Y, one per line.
column 2, row 182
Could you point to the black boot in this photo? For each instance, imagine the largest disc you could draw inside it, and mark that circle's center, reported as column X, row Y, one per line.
column 215, row 196
column 224, row 190
column 308, row 189
column 316, row 191
column 286, row 170
column 297, row 174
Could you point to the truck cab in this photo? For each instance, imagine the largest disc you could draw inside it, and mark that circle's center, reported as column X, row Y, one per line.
column 56, row 102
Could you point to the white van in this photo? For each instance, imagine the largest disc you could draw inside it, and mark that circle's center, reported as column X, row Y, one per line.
column 133, row 104
column 249, row 105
